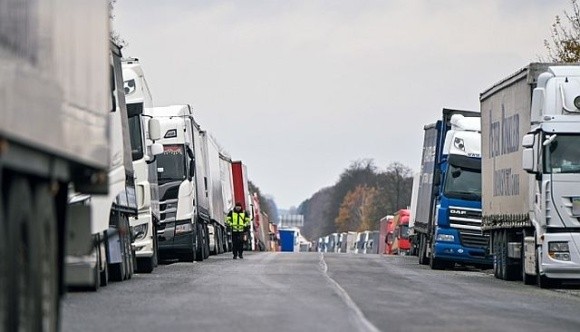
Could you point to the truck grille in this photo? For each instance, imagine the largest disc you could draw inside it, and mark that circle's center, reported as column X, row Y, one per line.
column 468, row 223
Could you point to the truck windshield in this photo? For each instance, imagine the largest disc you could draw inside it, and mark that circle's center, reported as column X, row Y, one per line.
column 404, row 231
column 135, row 134
column 172, row 163
column 463, row 183
column 563, row 155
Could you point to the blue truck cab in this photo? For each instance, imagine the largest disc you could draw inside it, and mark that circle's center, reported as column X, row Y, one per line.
column 448, row 218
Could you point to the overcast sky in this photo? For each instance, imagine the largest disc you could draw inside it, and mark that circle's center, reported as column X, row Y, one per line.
column 298, row 90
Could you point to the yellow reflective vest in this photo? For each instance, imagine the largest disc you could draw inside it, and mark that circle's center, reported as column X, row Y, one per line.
column 237, row 221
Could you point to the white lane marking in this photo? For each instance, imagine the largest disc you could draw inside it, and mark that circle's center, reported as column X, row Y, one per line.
column 360, row 319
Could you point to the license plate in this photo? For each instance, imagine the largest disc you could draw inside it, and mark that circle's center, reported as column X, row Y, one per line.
column 576, row 206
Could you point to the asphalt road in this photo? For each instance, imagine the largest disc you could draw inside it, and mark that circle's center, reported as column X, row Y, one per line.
column 319, row 292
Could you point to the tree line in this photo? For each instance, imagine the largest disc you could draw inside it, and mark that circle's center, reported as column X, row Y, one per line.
column 362, row 195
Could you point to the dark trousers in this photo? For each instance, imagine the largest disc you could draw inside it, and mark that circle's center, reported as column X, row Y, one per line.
column 238, row 243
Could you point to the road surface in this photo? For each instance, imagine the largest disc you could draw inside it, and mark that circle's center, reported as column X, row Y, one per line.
column 319, row 292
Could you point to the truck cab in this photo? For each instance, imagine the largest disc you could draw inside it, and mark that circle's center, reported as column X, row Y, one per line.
column 551, row 155
column 144, row 131
column 181, row 233
column 448, row 214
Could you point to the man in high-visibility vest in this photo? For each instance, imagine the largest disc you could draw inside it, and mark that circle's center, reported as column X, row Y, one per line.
column 238, row 220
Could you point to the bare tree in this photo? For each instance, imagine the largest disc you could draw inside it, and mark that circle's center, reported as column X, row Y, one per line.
column 564, row 45
column 115, row 36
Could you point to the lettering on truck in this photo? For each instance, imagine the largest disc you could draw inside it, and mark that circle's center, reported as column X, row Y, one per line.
column 504, row 139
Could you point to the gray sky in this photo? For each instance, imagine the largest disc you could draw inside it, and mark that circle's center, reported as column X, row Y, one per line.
column 299, row 89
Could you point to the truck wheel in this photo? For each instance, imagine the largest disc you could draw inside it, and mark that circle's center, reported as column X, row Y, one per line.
column 199, row 252
column 496, row 254
column 21, row 304
column 145, row 264
column 434, row 263
column 206, row 240
column 422, row 251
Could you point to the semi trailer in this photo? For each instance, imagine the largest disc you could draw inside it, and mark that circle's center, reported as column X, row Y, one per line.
column 55, row 100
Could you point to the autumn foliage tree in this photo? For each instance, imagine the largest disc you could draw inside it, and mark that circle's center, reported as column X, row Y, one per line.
column 564, row 45
column 355, row 212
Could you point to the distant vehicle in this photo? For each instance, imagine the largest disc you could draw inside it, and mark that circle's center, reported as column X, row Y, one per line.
column 289, row 240
column 242, row 195
column 414, row 245
column 343, row 242
column 143, row 151
column 373, row 243
column 448, row 218
column 184, row 207
column 531, row 173
column 383, row 233
column 351, row 242
column 112, row 256
column 401, row 244
column 390, row 237
column 55, row 103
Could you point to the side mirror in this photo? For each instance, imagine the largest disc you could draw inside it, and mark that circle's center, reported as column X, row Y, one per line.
column 154, row 130
column 528, row 162
column 528, row 141
column 156, row 149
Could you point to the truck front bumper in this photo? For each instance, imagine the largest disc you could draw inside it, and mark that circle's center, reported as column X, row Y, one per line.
column 559, row 269
column 171, row 244
column 144, row 246
column 459, row 254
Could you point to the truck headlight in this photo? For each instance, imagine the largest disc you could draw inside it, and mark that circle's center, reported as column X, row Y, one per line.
column 140, row 231
column 559, row 250
column 183, row 228
column 445, row 237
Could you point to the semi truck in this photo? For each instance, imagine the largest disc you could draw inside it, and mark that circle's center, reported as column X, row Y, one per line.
column 531, row 173
column 400, row 233
column 242, row 195
column 54, row 110
column 108, row 217
column 448, row 219
column 227, row 194
column 144, row 131
column 183, row 202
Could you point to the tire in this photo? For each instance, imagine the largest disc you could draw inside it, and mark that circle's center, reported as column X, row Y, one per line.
column 34, row 295
column 199, row 245
column 423, row 251
column 206, row 242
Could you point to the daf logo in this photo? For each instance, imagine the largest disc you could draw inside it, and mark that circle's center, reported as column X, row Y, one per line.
column 457, row 212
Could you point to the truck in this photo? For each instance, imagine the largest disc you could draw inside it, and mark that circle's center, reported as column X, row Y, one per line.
column 183, row 193
column 413, row 211
column 216, row 228
column 54, row 110
column 384, row 223
column 400, row 226
column 531, row 174
column 227, row 179
column 448, row 219
column 143, row 130
column 242, row 195
column 108, row 217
